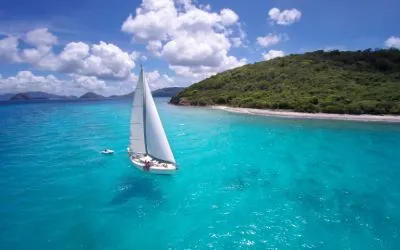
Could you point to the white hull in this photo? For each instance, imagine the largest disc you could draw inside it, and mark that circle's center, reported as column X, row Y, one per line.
column 107, row 152
column 159, row 168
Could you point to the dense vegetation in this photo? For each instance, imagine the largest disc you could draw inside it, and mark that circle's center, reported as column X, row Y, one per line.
column 359, row 82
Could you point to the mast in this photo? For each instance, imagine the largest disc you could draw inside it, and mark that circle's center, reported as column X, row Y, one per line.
column 144, row 108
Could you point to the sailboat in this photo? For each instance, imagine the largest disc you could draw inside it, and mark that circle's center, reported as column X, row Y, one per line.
column 149, row 149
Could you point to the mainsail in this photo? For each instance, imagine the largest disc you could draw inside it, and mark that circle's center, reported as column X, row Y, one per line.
column 147, row 132
column 137, row 142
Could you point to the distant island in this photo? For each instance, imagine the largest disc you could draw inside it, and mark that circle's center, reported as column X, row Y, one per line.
column 164, row 92
column 339, row 82
column 167, row 92
column 38, row 96
column 26, row 96
column 91, row 95
column 5, row 97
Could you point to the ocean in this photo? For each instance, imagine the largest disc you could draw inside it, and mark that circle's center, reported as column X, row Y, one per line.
column 245, row 182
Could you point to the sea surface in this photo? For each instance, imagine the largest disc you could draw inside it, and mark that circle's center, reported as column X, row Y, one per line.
column 245, row 182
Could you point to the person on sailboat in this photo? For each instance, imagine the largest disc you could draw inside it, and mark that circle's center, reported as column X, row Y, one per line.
column 147, row 165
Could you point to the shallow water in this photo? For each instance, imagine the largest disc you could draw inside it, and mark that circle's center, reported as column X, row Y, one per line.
column 244, row 181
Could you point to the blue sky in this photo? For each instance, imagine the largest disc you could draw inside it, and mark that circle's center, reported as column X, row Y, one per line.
column 76, row 46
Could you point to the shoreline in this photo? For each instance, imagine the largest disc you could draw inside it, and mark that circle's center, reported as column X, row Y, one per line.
column 315, row 116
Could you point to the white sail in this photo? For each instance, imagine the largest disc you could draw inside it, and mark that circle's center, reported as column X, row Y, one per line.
column 137, row 138
column 156, row 141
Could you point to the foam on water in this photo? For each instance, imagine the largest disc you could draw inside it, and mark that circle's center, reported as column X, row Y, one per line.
column 244, row 182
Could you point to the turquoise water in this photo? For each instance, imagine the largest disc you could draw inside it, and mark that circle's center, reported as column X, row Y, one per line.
column 244, row 182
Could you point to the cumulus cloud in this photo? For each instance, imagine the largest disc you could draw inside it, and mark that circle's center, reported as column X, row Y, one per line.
column 74, row 84
column 104, row 60
column 393, row 42
column 154, row 47
column 108, row 61
column 285, row 17
column 9, row 49
column 236, row 42
column 89, row 83
column 27, row 81
column 191, row 38
column 271, row 54
column 228, row 17
column 40, row 37
column 271, row 39
column 158, row 81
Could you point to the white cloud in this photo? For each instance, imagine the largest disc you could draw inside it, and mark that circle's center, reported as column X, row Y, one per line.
column 35, row 55
column 271, row 39
column 89, row 83
column 285, row 17
column 134, row 55
column 168, row 78
column 154, row 19
column 197, row 73
column 27, row 81
column 273, row 54
column 236, row 42
column 197, row 51
column 154, row 47
column 104, row 60
column 228, row 17
column 40, row 37
column 393, row 42
column 72, row 56
column 108, row 61
column 192, row 39
column 157, row 81
column 240, row 39
column 9, row 49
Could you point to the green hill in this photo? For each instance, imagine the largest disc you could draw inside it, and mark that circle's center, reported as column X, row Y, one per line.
column 359, row 82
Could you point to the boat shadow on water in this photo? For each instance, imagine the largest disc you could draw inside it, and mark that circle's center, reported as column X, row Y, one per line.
column 132, row 187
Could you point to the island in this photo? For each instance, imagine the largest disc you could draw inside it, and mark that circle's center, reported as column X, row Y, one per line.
column 91, row 96
column 167, row 92
column 37, row 95
column 333, row 82
column 163, row 92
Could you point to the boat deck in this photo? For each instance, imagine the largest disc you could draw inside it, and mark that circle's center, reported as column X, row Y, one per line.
column 147, row 163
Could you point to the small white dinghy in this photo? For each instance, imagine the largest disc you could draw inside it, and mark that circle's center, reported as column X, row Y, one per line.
column 107, row 152
column 149, row 149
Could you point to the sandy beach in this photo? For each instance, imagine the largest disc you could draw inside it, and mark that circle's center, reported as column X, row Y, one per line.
column 299, row 115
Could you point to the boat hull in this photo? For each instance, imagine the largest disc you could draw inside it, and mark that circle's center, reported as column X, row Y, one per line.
column 168, row 169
